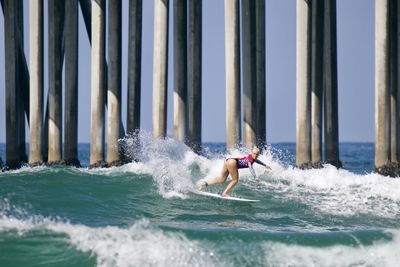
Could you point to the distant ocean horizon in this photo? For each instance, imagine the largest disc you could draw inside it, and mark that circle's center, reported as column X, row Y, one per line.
column 363, row 151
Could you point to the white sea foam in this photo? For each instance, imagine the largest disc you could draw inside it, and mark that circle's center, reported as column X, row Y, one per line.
column 380, row 253
column 138, row 245
column 338, row 191
column 25, row 169
column 9, row 222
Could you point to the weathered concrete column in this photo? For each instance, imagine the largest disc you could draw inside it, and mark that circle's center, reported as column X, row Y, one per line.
column 134, row 65
column 232, row 73
column 382, row 148
column 56, row 21
column 316, row 80
column 393, row 77
column 194, row 75
column 12, row 78
column 21, row 54
column 160, row 68
column 97, row 94
column 71, row 83
column 86, row 7
column 331, row 125
column 303, row 84
column 23, row 86
column 249, row 73
column 180, row 70
column 260, row 71
column 114, row 79
column 22, row 65
column 397, row 85
column 36, row 81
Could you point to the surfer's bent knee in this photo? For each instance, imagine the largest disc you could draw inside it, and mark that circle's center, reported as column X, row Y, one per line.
column 222, row 180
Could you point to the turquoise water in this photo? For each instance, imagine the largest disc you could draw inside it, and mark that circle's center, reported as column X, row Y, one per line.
column 142, row 214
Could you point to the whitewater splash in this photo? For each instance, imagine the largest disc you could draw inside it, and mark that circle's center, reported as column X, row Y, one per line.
column 142, row 244
column 175, row 168
column 338, row 192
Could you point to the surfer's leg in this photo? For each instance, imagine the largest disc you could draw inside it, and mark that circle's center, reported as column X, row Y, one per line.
column 219, row 179
column 233, row 171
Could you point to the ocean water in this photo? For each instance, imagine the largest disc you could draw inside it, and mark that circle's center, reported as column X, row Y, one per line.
column 142, row 213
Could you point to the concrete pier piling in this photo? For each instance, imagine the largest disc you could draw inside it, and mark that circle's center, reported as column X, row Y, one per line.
column 56, row 21
column 23, row 80
column 12, row 82
column 303, row 84
column 316, row 80
column 232, row 73
column 180, row 70
column 114, row 80
column 316, row 83
column 194, row 75
column 160, row 68
column 23, row 86
column 86, row 7
column 71, row 84
column 134, row 65
column 396, row 69
column 36, row 81
column 260, row 72
column 386, row 88
column 382, row 148
column 393, row 80
column 330, row 87
column 97, row 91
column 249, row 73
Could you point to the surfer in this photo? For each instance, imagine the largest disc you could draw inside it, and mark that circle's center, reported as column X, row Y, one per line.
column 231, row 166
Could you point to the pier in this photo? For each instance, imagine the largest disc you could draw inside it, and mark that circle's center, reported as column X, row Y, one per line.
column 317, row 107
column 316, row 84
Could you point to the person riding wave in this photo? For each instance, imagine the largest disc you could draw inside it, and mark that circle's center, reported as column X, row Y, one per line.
column 231, row 167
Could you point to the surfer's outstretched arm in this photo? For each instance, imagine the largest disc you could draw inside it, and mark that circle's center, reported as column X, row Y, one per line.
column 262, row 164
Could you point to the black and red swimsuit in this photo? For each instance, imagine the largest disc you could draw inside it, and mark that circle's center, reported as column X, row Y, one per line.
column 247, row 162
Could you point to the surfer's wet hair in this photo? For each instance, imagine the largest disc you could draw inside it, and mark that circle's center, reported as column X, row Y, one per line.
column 255, row 150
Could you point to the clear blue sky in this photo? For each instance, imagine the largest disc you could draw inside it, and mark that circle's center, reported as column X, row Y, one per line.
column 355, row 70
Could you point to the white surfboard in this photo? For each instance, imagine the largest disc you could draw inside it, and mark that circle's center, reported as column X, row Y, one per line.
column 208, row 194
